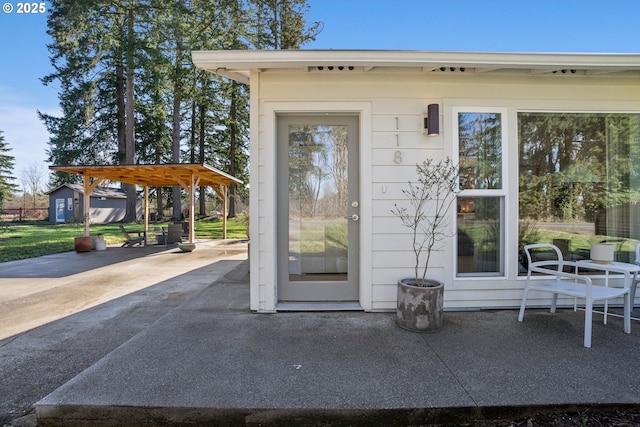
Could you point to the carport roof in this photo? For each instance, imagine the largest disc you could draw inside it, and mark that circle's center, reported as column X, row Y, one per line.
column 163, row 175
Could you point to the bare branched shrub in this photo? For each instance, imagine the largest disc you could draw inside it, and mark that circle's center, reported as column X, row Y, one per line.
column 430, row 199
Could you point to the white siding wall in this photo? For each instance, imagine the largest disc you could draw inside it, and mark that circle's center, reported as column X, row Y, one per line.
column 384, row 99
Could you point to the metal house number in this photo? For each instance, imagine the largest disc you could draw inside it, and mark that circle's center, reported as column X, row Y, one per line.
column 397, row 157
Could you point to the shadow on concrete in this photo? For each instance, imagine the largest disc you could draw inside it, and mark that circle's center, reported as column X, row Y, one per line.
column 69, row 263
column 38, row 361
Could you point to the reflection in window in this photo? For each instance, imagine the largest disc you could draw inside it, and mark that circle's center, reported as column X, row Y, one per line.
column 480, row 235
column 579, row 178
column 318, row 198
column 480, row 150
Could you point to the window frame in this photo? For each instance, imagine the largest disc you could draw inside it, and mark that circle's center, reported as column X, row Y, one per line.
column 502, row 193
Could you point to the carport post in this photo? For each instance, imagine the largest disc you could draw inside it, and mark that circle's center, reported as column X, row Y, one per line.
column 192, row 205
column 86, row 209
column 224, row 210
column 86, row 201
column 221, row 191
column 145, row 212
column 190, row 187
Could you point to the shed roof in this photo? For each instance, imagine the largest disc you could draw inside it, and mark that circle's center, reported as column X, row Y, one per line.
column 237, row 64
column 164, row 175
column 108, row 192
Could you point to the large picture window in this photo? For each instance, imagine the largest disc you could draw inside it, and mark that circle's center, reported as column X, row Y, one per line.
column 579, row 181
column 480, row 205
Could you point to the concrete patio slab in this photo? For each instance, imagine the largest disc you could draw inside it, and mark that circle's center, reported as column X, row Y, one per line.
column 213, row 362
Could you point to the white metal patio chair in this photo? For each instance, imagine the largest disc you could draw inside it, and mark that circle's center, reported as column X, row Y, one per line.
column 552, row 278
column 636, row 279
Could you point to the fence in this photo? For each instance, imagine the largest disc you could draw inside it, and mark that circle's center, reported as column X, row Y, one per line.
column 24, row 214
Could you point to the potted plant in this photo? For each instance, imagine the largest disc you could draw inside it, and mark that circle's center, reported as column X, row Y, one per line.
column 81, row 243
column 420, row 299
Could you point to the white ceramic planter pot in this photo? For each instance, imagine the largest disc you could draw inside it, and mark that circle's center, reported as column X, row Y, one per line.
column 187, row 247
column 420, row 308
column 101, row 245
column 602, row 253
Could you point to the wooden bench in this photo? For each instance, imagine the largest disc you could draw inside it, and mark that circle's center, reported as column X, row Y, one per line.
column 131, row 241
column 552, row 277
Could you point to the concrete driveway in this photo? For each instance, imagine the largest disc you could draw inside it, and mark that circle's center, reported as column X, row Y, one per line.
column 61, row 313
column 34, row 292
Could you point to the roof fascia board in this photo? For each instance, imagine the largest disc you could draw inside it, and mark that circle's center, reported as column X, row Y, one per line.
column 241, row 61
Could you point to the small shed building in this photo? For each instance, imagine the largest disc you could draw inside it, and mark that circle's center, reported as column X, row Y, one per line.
column 106, row 204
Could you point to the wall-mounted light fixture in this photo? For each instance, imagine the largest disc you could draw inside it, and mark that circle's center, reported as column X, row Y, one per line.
column 431, row 120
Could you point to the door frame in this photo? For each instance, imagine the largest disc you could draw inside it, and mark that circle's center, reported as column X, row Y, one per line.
column 263, row 258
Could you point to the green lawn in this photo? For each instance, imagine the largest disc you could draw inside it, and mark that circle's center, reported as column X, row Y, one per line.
column 27, row 240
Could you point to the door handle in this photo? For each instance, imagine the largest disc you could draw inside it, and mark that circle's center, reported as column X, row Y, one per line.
column 353, row 217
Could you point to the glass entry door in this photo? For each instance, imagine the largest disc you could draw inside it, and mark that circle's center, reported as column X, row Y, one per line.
column 318, row 208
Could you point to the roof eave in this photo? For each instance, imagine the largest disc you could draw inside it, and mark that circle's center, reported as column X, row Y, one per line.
column 237, row 64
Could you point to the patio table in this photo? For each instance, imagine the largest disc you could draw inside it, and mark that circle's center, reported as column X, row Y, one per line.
column 615, row 267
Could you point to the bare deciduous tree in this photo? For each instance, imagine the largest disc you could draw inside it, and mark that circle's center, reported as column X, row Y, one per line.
column 32, row 178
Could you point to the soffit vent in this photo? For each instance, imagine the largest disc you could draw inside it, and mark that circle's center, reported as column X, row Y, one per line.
column 451, row 69
column 335, row 68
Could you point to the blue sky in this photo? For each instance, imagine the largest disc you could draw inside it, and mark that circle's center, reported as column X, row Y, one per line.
column 450, row 25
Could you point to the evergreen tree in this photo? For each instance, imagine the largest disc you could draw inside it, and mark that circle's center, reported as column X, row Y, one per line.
column 95, row 51
column 280, row 24
column 129, row 93
column 6, row 172
column 85, row 133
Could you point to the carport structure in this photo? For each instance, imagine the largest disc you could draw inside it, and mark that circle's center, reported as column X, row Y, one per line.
column 186, row 175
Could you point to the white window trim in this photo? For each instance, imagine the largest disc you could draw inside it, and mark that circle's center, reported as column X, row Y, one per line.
column 507, row 185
